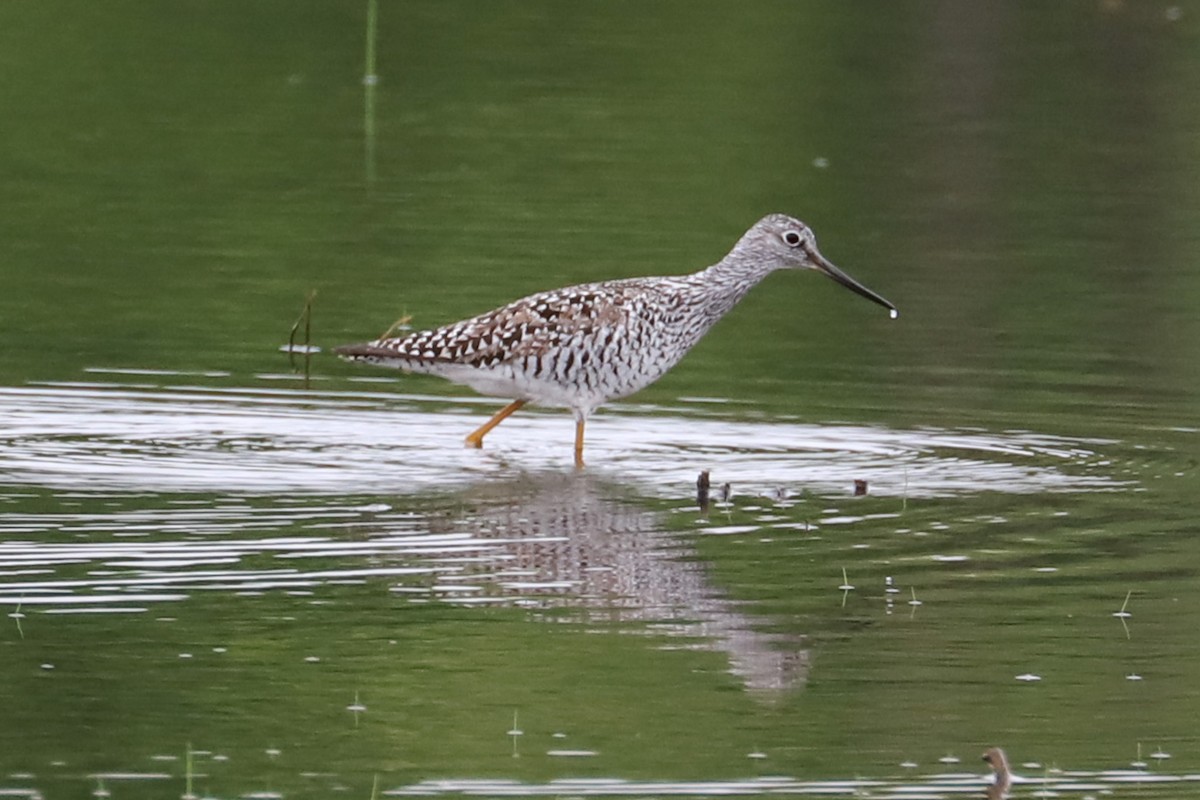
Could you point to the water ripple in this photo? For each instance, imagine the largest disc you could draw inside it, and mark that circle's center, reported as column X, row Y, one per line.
column 1068, row 784
column 106, row 437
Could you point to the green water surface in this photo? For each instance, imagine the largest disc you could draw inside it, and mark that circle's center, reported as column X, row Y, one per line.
column 1022, row 180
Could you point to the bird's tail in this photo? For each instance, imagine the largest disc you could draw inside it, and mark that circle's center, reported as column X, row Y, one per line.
column 378, row 353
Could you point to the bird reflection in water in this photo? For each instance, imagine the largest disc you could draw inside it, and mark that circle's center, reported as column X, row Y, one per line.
column 573, row 541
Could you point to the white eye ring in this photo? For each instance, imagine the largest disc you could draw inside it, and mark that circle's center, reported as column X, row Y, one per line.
column 792, row 239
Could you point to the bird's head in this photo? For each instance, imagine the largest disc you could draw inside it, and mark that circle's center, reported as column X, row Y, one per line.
column 782, row 242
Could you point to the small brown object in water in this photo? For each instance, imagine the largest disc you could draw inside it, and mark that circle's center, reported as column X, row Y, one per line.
column 1002, row 777
column 860, row 487
column 702, row 490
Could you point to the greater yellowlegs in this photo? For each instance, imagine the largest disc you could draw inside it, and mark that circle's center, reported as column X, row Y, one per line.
column 581, row 346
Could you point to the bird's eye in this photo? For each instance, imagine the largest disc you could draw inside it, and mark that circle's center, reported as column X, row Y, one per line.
column 792, row 239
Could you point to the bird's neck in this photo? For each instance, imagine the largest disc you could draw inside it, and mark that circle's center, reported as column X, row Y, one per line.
column 724, row 284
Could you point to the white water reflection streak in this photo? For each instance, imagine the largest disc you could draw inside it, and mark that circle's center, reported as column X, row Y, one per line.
column 101, row 437
column 1072, row 783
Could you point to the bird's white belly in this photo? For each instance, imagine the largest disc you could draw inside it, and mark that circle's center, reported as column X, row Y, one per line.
column 609, row 374
column 505, row 381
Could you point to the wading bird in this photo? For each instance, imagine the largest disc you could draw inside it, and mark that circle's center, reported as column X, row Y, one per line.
column 581, row 346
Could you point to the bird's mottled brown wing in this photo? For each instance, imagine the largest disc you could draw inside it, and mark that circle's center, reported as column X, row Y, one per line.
column 532, row 326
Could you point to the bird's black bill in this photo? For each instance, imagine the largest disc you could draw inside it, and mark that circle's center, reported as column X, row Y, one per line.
column 851, row 284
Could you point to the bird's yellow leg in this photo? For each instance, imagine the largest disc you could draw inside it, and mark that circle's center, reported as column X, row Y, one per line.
column 579, row 443
column 476, row 439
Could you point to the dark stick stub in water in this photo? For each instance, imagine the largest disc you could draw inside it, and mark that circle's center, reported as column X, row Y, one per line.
column 702, row 486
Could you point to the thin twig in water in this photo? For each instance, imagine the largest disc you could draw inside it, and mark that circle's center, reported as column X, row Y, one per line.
column 845, row 587
column 370, row 81
column 400, row 324
column 913, row 603
column 1125, row 605
column 17, row 616
column 306, row 318
column 1123, row 614
column 187, row 774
